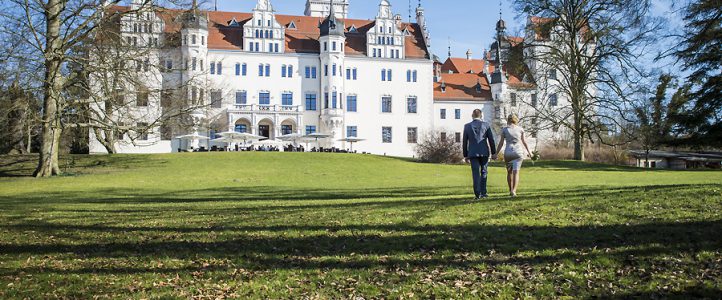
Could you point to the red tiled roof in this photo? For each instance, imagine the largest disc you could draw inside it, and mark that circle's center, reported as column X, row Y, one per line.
column 302, row 39
column 541, row 26
column 462, row 87
column 479, row 67
column 462, row 65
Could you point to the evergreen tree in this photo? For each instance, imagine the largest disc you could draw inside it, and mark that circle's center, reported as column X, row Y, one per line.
column 701, row 52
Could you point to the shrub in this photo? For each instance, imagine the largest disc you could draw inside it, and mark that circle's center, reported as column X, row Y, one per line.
column 435, row 149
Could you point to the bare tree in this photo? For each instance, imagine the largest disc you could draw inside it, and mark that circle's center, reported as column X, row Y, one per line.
column 57, row 42
column 588, row 53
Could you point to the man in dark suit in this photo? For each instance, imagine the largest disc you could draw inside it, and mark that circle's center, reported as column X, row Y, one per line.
column 478, row 146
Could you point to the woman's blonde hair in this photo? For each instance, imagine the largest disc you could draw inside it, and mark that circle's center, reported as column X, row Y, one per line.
column 512, row 119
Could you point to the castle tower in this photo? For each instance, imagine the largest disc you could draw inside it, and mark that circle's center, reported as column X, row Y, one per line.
column 322, row 8
column 332, row 40
column 194, row 51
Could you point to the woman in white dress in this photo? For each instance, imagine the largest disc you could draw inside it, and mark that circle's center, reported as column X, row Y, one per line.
column 513, row 136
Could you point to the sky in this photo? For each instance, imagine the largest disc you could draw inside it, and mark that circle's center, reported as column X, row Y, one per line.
column 461, row 24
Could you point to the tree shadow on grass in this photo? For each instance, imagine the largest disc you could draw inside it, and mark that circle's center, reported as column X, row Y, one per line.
column 271, row 247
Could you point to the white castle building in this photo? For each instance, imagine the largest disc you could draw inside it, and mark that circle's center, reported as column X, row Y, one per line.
column 273, row 75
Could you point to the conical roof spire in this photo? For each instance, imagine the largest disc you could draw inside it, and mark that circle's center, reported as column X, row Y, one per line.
column 331, row 25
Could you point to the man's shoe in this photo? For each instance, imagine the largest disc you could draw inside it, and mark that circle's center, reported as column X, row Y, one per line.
column 483, row 196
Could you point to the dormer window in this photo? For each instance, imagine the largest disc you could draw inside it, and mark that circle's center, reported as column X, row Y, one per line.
column 292, row 25
column 233, row 23
column 353, row 29
column 443, row 87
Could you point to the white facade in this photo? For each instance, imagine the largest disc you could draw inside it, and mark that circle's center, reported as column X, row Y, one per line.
column 267, row 85
column 270, row 92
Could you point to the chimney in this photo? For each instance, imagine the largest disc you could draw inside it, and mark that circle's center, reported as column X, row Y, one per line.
column 468, row 54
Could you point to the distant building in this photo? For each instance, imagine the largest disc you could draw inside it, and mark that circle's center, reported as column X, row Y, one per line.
column 677, row 160
column 272, row 75
column 504, row 80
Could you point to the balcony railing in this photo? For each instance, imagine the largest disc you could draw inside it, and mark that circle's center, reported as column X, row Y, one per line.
column 267, row 108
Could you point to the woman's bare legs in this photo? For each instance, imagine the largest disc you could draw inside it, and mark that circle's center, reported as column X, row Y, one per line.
column 509, row 179
column 514, row 181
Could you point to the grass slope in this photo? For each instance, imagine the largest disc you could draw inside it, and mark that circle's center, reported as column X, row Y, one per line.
column 282, row 225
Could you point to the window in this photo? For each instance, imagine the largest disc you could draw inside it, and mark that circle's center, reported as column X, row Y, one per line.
column 411, row 105
column 219, row 68
column 141, row 98
column 388, row 75
column 290, row 71
column 244, row 69
column 241, row 97
column 513, row 99
column 313, row 72
column 264, row 98
column 213, row 66
column 443, row 113
column 348, row 73
column 194, row 63
column 238, row 69
column 355, row 73
column 325, row 100
column 351, row 103
column 334, row 69
column 308, row 72
column 260, row 70
column 142, row 129
column 457, row 114
column 146, row 65
column 386, row 135
column 193, row 39
column 310, row 129
column 383, row 75
column 283, row 71
column 386, row 104
column 203, row 39
column 325, row 46
column 268, row 70
column 412, row 135
column 168, row 65
column 287, row 99
column 415, row 76
column 457, row 137
column 334, row 100
column 166, row 132
column 311, row 102
column 242, row 128
column 553, row 74
column 333, row 46
column 443, row 136
column 553, row 100
column 166, row 98
column 351, row 131
column 286, row 129
column 533, row 100
column 325, row 70
column 216, row 99
column 408, row 76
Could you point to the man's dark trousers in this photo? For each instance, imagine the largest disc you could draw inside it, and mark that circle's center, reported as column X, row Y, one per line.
column 479, row 172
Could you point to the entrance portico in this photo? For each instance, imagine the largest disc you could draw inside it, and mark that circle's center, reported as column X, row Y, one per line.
column 270, row 121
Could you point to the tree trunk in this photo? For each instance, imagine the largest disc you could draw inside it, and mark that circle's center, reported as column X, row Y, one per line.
column 51, row 129
column 106, row 139
column 578, row 134
column 30, row 138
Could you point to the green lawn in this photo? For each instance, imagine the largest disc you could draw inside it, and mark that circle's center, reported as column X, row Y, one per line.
column 282, row 225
